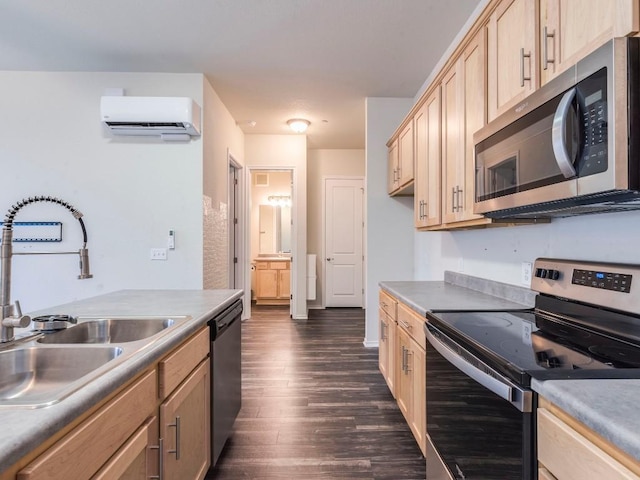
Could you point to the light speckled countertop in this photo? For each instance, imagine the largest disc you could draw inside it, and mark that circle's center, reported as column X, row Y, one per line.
column 24, row 429
column 609, row 407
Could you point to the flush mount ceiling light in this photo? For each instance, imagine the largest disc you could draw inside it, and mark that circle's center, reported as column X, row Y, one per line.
column 298, row 125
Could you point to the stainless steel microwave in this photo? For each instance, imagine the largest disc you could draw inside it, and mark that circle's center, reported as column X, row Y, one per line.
column 570, row 148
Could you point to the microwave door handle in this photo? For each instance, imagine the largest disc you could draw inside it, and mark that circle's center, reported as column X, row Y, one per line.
column 496, row 386
column 557, row 135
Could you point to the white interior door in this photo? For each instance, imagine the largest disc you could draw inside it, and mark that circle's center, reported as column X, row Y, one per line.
column 343, row 227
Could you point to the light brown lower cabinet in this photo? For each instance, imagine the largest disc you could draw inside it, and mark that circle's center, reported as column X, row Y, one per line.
column 569, row 450
column 157, row 426
column 402, row 362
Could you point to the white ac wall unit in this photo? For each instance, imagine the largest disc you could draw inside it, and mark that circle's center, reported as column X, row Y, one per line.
column 172, row 118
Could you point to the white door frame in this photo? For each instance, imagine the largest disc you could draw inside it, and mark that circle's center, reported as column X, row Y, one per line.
column 323, row 233
column 247, row 228
column 240, row 237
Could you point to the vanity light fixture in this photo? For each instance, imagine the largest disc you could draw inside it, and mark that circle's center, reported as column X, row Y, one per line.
column 279, row 200
column 298, row 125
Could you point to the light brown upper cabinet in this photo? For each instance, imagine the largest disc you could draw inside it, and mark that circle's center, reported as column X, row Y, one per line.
column 426, row 126
column 452, row 143
column 392, row 167
column 401, row 162
column 463, row 113
column 512, row 56
column 570, row 30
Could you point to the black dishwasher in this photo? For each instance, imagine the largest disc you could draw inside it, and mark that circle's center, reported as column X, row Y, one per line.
column 226, row 375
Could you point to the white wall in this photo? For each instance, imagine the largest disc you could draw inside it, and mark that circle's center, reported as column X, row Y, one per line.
column 131, row 191
column 287, row 152
column 221, row 136
column 389, row 238
column 321, row 164
column 498, row 253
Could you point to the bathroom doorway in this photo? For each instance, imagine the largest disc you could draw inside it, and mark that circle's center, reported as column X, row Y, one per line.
column 271, row 233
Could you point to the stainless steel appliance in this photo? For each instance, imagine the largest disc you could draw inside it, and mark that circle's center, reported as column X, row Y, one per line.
column 479, row 365
column 226, row 375
column 572, row 147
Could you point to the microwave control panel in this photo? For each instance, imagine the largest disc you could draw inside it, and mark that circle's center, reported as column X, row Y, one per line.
column 592, row 99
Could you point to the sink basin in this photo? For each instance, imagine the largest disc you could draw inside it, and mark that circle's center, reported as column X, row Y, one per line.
column 110, row 330
column 40, row 376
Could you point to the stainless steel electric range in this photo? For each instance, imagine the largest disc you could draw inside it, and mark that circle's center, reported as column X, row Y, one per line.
column 479, row 365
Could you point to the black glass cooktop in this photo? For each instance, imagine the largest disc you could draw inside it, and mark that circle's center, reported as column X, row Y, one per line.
column 522, row 345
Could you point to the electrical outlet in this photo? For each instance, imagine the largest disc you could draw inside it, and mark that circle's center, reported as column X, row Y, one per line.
column 526, row 273
column 158, row 254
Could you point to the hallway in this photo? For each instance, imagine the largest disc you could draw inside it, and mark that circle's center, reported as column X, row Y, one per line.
column 315, row 405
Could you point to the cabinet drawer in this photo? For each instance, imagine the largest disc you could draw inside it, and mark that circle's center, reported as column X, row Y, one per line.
column 262, row 265
column 412, row 323
column 280, row 265
column 569, row 455
column 82, row 452
column 177, row 365
column 388, row 304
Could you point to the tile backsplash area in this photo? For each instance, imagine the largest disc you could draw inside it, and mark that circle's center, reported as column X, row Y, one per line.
column 215, row 244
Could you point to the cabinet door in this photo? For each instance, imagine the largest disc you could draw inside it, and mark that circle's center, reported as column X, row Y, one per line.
column 284, row 284
column 474, row 117
column 569, row 30
column 404, row 394
column 405, row 155
column 511, row 54
column 266, row 283
column 452, row 144
column 383, row 344
column 137, row 458
column 392, row 167
column 427, row 207
column 185, row 427
column 418, row 422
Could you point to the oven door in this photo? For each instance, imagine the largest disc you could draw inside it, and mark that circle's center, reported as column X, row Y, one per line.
column 479, row 424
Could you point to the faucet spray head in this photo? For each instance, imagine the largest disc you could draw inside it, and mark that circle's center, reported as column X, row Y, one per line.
column 84, row 264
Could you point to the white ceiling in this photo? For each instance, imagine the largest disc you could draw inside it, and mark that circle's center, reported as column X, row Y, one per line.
column 268, row 60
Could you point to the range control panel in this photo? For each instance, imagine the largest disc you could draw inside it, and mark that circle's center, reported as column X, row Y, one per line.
column 618, row 282
column 596, row 283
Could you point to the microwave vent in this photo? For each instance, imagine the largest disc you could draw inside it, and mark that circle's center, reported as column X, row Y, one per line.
column 606, row 202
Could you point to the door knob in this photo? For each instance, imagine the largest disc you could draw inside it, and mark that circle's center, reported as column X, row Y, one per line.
column 329, row 259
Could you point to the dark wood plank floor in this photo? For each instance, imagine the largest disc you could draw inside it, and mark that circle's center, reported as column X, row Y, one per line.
column 315, row 404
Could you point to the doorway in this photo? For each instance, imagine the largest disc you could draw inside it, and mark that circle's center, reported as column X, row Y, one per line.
column 343, row 242
column 271, row 233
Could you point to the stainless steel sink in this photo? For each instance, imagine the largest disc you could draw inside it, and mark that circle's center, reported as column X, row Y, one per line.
column 40, row 376
column 111, row 330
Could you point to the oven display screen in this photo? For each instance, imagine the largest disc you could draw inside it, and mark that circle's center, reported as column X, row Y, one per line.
column 618, row 282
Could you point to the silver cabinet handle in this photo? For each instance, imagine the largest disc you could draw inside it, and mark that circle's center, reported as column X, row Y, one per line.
column 382, row 333
column 177, row 427
column 406, row 325
column 558, row 128
column 522, row 57
column 453, row 200
column 545, row 48
column 459, row 203
column 160, row 448
column 409, row 352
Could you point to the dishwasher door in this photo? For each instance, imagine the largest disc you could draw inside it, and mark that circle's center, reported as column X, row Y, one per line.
column 226, row 376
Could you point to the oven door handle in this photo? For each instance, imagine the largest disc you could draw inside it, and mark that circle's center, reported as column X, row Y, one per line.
column 558, row 128
column 496, row 386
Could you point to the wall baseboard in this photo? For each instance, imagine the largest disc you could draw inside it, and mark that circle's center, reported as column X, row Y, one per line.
column 370, row 344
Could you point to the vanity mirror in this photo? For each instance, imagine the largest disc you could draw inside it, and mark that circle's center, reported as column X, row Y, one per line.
column 274, row 229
